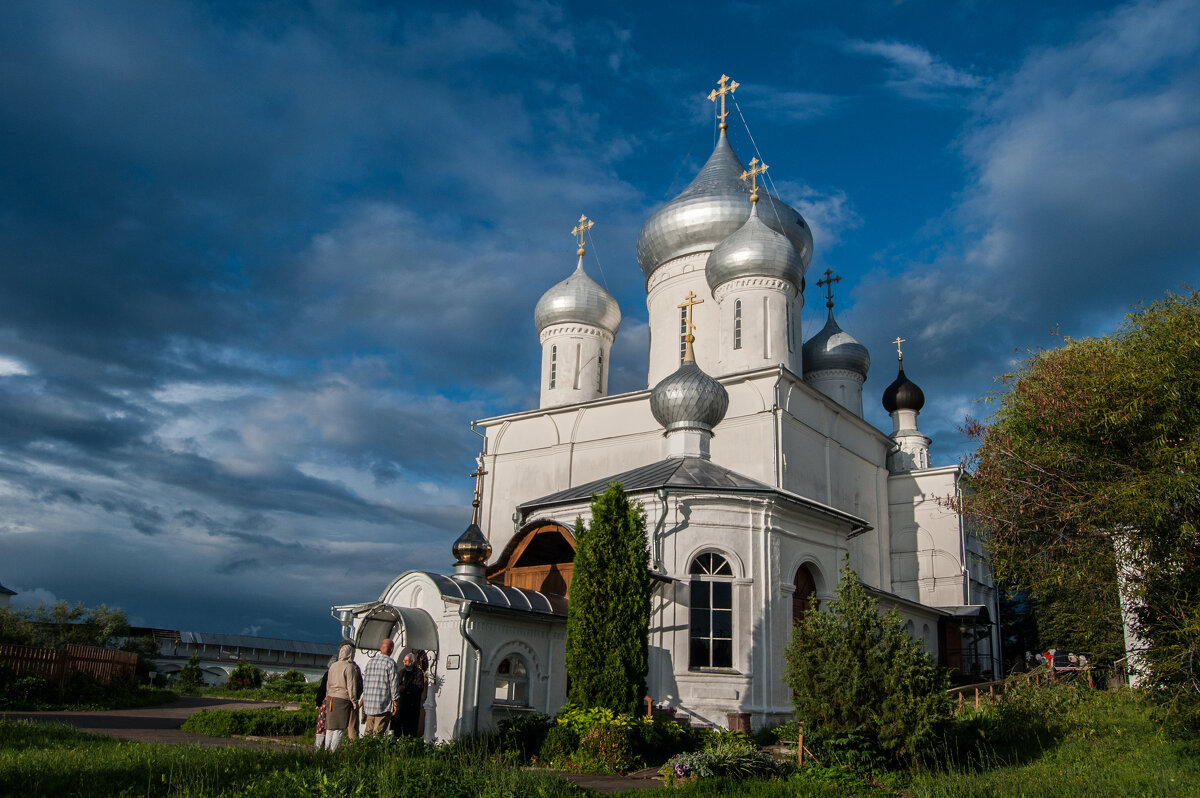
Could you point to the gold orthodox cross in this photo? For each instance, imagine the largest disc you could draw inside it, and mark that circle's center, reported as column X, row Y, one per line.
column 897, row 342
column 828, row 282
column 479, row 474
column 689, row 302
column 753, row 172
column 721, row 92
column 584, row 225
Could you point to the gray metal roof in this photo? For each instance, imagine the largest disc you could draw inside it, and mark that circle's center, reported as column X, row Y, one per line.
column 266, row 643
column 686, row 474
column 689, row 399
column 578, row 299
column 754, row 250
column 501, row 597
column 6, row 592
column 834, row 348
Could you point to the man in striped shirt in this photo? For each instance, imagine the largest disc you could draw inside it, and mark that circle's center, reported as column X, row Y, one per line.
column 381, row 691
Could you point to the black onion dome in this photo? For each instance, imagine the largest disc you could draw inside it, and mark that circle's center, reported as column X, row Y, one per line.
column 472, row 548
column 903, row 394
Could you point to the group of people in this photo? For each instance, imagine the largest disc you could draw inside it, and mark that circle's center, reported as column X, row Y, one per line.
column 1055, row 658
column 386, row 698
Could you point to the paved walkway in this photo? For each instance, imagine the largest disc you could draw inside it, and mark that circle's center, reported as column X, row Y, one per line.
column 161, row 725
column 150, row 724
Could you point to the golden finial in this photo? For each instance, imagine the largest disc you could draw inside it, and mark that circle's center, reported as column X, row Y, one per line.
column 753, row 172
column 721, row 92
column 828, row 282
column 897, row 342
column 689, row 302
column 584, row 225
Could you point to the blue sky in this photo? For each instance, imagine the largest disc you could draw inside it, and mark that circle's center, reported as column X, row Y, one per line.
column 260, row 264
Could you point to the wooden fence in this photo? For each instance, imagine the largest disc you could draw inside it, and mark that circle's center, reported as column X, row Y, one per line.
column 61, row 665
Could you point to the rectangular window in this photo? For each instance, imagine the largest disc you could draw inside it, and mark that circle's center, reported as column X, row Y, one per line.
column 600, row 373
column 553, row 365
column 737, row 324
column 788, row 310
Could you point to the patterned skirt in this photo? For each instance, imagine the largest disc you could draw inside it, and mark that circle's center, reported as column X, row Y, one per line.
column 321, row 717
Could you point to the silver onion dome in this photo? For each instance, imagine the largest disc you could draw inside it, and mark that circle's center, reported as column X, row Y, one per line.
column 712, row 208
column 689, row 399
column 578, row 299
column 755, row 250
column 834, row 348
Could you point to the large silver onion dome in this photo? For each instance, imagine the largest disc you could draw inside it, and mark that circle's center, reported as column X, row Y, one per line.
column 711, row 209
column 755, row 250
column 834, row 348
column 578, row 299
column 689, row 399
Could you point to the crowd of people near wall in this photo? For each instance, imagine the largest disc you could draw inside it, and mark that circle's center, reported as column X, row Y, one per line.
column 384, row 699
column 1055, row 657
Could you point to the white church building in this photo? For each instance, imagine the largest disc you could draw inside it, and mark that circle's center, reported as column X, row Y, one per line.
column 750, row 456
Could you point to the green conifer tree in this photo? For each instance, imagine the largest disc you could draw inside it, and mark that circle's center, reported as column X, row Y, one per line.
column 859, row 680
column 609, row 612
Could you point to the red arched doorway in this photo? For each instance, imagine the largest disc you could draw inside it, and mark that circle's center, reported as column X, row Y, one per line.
column 804, row 597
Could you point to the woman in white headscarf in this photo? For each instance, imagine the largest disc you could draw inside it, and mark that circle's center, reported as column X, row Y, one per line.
column 341, row 697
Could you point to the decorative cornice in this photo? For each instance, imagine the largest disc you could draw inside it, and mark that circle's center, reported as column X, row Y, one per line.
column 835, row 374
column 754, row 283
column 691, row 262
column 575, row 329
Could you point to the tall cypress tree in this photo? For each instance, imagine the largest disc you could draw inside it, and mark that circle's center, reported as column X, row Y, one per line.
column 608, row 617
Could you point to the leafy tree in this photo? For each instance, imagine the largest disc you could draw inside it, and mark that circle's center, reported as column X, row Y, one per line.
column 62, row 624
column 857, row 676
column 190, row 676
column 608, row 617
column 244, row 677
column 1088, row 473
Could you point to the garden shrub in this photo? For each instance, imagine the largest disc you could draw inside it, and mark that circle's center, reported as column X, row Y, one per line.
column 252, row 722
column 561, row 742
column 524, row 733
column 244, row 677
column 729, row 756
column 290, row 685
column 607, row 748
column 190, row 677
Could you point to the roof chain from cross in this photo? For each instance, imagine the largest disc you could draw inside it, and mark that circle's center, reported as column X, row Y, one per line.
column 582, row 227
column 753, row 172
column 690, row 301
column 721, row 92
column 828, row 283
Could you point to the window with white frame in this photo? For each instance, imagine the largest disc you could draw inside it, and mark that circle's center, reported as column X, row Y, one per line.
column 737, row 324
column 512, row 682
column 553, row 365
column 710, row 623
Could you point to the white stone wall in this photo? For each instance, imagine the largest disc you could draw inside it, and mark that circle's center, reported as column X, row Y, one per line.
column 577, row 357
column 770, row 325
column 665, row 290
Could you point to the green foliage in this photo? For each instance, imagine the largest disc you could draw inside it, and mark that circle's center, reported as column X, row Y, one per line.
column 291, row 684
column 61, row 625
column 269, row 722
column 609, row 614
column 190, row 676
column 859, row 681
column 1092, row 460
column 524, row 733
column 244, row 677
column 560, row 743
column 729, row 756
column 81, row 693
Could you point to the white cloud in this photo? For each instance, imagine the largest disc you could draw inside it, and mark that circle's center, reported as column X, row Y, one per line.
column 31, row 597
column 12, row 367
column 914, row 72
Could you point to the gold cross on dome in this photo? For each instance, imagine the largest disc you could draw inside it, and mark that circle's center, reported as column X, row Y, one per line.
column 721, row 92
column 897, row 342
column 584, row 225
column 479, row 474
column 689, row 302
column 828, row 282
column 753, row 172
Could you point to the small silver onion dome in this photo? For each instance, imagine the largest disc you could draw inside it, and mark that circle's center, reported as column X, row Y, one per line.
column 834, row 348
column 755, row 250
column 689, row 399
column 472, row 548
column 903, row 394
column 578, row 299
column 710, row 210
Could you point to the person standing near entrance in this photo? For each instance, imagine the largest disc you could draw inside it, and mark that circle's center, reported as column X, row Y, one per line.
column 412, row 688
column 381, row 691
column 341, row 697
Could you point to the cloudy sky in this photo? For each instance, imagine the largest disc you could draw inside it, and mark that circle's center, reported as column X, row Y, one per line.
column 262, row 263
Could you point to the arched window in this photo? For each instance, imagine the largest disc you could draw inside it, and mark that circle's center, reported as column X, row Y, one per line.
column 711, row 619
column 737, row 324
column 553, row 365
column 788, row 313
column 804, row 597
column 600, row 373
column 512, row 682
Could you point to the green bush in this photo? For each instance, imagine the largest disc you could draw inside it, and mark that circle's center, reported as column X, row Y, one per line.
column 190, row 677
column 291, row 684
column 560, row 743
column 244, row 677
column 729, row 756
column 269, row 722
column 524, row 734
column 607, row 748
column 80, row 693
